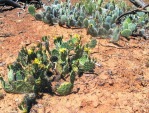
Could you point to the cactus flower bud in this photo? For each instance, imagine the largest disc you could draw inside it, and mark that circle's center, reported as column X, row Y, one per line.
column 37, row 61
column 29, row 51
column 88, row 50
column 62, row 50
column 77, row 36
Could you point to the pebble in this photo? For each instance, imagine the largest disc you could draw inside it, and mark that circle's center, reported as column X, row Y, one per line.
column 16, row 100
column 111, row 82
column 2, row 64
column 39, row 106
column 1, row 95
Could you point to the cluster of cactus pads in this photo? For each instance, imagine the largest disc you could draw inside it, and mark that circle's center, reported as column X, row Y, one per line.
column 38, row 67
column 98, row 17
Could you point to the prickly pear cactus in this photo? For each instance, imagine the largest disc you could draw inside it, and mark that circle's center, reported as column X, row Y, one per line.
column 65, row 88
column 115, row 35
column 92, row 43
column 126, row 33
column 98, row 17
column 72, row 76
column 31, row 10
column 89, row 66
column 27, row 102
column 17, row 86
column 39, row 16
column 36, row 67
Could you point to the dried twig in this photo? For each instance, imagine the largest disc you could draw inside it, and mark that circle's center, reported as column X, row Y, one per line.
column 118, row 20
column 10, row 3
column 141, row 8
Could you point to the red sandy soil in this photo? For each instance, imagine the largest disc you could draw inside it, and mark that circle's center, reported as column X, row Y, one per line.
column 122, row 83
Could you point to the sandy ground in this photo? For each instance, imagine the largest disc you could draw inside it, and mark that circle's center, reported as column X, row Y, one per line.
column 122, row 83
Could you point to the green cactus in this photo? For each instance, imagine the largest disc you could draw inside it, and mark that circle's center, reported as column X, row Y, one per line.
column 11, row 75
column 85, row 22
column 59, row 68
column 108, row 19
column 65, row 45
column 79, row 51
column 31, row 10
column 92, row 30
column 126, row 33
column 132, row 26
column 128, row 20
column 113, row 25
column 19, row 75
column 58, row 40
column 65, row 88
column 17, row 86
column 36, row 67
column 75, row 67
column 106, row 26
column 63, row 53
column 97, row 14
column 125, row 25
column 114, row 16
column 54, row 52
column 89, row 66
column 111, row 7
column 63, row 20
column 102, row 32
column 92, row 43
column 23, row 57
column 102, row 16
column 115, row 35
column 66, row 69
column 100, row 2
column 46, row 20
column 142, row 31
column 27, row 102
column 39, row 16
column 72, row 77
column 83, row 59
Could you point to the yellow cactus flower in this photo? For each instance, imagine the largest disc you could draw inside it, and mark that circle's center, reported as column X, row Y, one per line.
column 62, row 50
column 37, row 61
column 55, row 37
column 77, row 36
column 86, row 49
column 29, row 51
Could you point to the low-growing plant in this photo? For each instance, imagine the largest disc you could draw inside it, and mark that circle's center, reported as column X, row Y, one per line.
column 97, row 16
column 37, row 67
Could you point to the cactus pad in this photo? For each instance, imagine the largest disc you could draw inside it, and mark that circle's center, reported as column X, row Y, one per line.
column 92, row 43
column 89, row 66
column 115, row 35
column 31, row 10
column 126, row 33
column 38, row 16
column 65, row 88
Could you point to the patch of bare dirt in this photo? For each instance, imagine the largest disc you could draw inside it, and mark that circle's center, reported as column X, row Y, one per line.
column 122, row 83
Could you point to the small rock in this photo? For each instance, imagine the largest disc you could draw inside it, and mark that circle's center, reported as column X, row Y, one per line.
column 16, row 100
column 147, row 64
column 111, row 82
column 1, row 95
column 18, row 21
column 39, row 106
column 102, row 83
